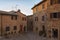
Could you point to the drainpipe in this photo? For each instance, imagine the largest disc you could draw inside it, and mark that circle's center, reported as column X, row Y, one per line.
column 1, row 25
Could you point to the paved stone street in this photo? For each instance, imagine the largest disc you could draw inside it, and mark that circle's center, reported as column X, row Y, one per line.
column 25, row 36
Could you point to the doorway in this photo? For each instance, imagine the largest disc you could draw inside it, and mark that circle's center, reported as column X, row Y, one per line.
column 21, row 27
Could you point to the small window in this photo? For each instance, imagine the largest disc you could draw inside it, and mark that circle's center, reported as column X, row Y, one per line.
column 36, row 18
column 15, row 27
column 43, row 18
column 23, row 18
column 55, row 15
column 51, row 2
column 12, row 17
column 18, row 31
column 43, row 27
column 15, row 17
column 7, row 28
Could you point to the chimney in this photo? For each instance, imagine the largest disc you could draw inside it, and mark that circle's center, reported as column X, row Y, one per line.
column 18, row 10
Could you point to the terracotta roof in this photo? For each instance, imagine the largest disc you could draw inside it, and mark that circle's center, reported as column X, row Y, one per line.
column 8, row 13
column 39, row 3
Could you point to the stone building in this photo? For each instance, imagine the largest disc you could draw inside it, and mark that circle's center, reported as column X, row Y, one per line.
column 22, row 21
column 30, row 23
column 46, row 19
column 12, row 23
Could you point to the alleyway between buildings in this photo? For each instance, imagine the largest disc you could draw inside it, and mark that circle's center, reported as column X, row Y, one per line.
column 25, row 36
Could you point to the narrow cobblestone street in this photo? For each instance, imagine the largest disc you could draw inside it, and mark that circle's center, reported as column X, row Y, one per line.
column 25, row 36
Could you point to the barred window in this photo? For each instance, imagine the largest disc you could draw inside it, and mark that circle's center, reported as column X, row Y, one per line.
column 54, row 15
column 7, row 28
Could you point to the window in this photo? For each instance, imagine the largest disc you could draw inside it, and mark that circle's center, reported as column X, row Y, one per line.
column 12, row 17
column 54, row 15
column 51, row 2
column 15, row 27
column 23, row 18
column 36, row 18
column 55, row 33
column 43, row 6
column 43, row 18
column 43, row 28
column 18, row 31
column 15, row 17
column 7, row 28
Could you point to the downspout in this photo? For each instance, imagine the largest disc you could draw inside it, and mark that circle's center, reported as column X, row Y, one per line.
column 1, row 25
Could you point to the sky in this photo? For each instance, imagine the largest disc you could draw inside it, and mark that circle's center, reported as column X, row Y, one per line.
column 24, row 5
